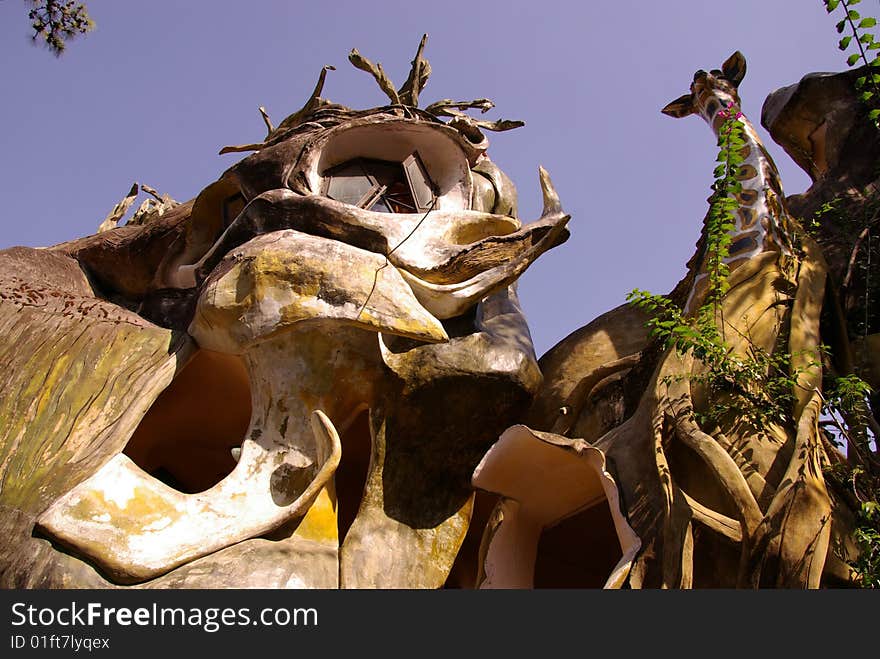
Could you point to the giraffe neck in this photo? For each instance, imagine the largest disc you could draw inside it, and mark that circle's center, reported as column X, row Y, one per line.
column 761, row 221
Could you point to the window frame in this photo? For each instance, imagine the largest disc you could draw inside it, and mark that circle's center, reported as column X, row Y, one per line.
column 411, row 172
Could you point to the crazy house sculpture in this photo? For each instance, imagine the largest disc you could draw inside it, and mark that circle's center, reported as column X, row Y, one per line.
column 336, row 313
column 317, row 374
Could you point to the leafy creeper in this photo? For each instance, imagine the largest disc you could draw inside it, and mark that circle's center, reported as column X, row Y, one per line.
column 867, row 85
column 757, row 387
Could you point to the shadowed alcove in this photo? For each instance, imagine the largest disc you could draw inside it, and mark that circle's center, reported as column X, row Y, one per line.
column 351, row 475
column 579, row 552
column 187, row 436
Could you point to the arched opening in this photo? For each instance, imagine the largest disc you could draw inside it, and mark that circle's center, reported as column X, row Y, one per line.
column 558, row 523
column 431, row 156
column 186, row 438
column 581, row 551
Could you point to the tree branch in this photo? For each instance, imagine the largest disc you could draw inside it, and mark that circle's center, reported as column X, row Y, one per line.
column 716, row 458
column 726, row 526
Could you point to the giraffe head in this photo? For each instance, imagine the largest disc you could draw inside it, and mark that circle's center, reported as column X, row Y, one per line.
column 712, row 91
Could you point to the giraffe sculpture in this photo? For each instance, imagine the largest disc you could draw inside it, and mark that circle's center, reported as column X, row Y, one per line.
column 777, row 283
column 721, row 504
column 761, row 222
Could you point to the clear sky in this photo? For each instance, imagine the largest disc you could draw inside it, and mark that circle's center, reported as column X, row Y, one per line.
column 154, row 92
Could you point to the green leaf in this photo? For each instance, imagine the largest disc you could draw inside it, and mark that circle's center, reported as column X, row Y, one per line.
column 852, row 59
column 866, row 96
column 840, row 25
column 853, row 2
column 873, row 115
column 868, row 22
column 831, row 5
column 843, row 44
column 867, row 37
column 853, row 15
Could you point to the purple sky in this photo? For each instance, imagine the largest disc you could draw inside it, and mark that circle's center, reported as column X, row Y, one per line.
column 154, row 92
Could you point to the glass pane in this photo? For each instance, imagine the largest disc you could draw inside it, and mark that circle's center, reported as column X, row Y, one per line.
column 380, row 207
column 380, row 185
column 349, row 189
column 419, row 181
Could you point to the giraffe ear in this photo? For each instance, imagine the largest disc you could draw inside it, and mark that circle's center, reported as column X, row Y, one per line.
column 734, row 68
column 680, row 107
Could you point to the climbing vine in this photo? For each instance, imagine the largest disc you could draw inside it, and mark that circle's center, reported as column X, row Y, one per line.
column 867, row 537
column 862, row 42
column 851, row 422
column 847, row 406
column 757, row 387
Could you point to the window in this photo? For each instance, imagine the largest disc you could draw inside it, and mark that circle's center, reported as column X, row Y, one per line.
column 380, row 185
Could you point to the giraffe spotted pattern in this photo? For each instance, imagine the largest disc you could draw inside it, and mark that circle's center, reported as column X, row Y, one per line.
column 761, row 223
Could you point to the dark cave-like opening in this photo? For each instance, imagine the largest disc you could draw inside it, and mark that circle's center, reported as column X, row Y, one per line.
column 187, row 436
column 581, row 551
column 351, row 475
